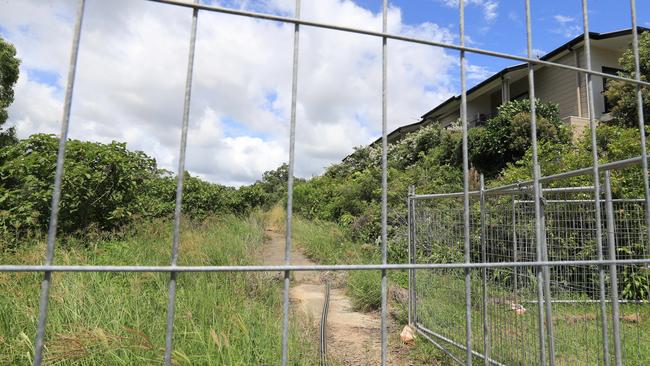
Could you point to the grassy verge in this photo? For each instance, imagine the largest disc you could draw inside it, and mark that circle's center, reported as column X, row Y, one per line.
column 441, row 307
column 513, row 337
column 119, row 319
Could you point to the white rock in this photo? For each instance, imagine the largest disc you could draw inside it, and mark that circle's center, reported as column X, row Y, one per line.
column 407, row 334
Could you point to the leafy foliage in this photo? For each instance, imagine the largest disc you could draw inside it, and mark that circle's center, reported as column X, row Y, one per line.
column 622, row 95
column 506, row 137
column 349, row 193
column 104, row 186
column 8, row 77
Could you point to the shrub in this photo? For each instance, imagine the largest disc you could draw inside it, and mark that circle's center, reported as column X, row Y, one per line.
column 506, row 137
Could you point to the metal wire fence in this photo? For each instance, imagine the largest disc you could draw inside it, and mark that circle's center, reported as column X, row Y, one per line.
column 532, row 265
column 592, row 308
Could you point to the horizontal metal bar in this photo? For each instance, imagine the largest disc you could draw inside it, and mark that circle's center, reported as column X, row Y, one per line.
column 317, row 267
column 479, row 51
column 559, row 301
column 623, row 200
column 443, row 195
column 523, row 187
column 568, row 189
column 441, row 347
column 454, row 343
column 573, row 173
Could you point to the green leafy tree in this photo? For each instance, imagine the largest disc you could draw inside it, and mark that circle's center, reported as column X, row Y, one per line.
column 623, row 96
column 105, row 186
column 101, row 184
column 8, row 77
column 505, row 138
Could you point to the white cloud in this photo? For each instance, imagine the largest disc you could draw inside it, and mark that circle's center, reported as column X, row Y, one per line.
column 537, row 53
column 131, row 75
column 477, row 72
column 567, row 26
column 490, row 8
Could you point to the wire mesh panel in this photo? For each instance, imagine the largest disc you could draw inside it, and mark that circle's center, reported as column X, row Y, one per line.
column 507, row 303
column 514, row 275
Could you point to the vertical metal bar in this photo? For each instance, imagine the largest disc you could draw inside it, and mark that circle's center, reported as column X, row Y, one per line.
column 514, row 243
column 641, row 118
column 486, row 340
column 414, row 260
column 292, row 153
column 409, row 221
column 536, row 175
column 542, row 273
column 167, row 359
column 547, row 278
column 611, row 244
column 384, row 184
column 596, row 175
column 463, row 117
column 56, row 193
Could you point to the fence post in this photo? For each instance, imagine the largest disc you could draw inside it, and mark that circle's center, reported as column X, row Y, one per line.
column 596, row 175
column 466, row 209
column 410, row 253
column 547, row 278
column 536, row 188
column 44, row 296
column 611, row 244
column 486, row 341
column 514, row 242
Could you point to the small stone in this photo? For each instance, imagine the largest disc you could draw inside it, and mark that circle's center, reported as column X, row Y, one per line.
column 518, row 308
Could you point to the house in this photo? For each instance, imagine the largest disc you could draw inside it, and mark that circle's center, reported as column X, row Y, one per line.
column 561, row 86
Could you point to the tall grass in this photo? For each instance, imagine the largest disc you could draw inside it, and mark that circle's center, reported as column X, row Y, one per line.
column 119, row 319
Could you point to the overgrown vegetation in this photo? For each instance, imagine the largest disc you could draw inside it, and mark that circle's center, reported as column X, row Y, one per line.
column 622, row 95
column 111, row 318
column 115, row 202
column 106, row 186
column 8, row 77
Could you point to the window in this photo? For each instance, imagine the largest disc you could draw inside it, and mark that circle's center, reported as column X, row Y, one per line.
column 612, row 71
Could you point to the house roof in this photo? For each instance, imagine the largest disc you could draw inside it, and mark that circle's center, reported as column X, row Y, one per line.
column 566, row 46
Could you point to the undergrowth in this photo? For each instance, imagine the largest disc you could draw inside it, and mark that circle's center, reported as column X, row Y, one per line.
column 119, row 318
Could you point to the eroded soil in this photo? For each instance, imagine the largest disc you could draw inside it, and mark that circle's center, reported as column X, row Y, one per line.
column 353, row 337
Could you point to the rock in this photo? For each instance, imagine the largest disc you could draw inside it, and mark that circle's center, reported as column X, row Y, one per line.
column 518, row 308
column 407, row 335
column 399, row 294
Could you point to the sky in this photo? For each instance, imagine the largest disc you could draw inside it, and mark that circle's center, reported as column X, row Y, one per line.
column 133, row 58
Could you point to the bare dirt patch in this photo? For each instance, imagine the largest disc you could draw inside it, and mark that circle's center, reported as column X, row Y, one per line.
column 353, row 337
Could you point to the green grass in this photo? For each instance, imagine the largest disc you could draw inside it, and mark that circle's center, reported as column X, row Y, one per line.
column 119, row 319
column 513, row 338
column 441, row 307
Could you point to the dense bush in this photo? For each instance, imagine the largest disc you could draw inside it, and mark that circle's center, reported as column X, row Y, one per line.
column 349, row 193
column 505, row 138
column 8, row 78
column 101, row 185
column 622, row 95
column 104, row 186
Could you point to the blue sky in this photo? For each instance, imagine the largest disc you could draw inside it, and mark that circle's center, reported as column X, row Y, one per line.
column 505, row 32
column 133, row 56
column 553, row 22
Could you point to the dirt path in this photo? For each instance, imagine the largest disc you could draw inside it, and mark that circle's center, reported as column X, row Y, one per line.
column 353, row 337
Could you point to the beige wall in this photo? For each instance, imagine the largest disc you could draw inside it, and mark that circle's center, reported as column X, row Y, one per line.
column 558, row 86
column 601, row 57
